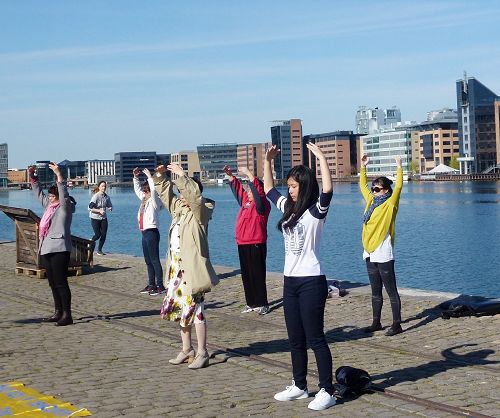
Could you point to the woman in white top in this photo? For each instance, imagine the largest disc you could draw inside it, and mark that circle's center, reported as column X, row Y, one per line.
column 148, row 219
column 304, row 287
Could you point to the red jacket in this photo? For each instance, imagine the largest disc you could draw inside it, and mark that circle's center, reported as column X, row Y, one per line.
column 251, row 224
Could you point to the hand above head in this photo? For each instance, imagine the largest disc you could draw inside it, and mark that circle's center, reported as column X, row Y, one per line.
column 136, row 172
column 32, row 172
column 176, row 169
column 161, row 169
column 244, row 171
column 272, row 152
column 398, row 160
column 317, row 151
column 228, row 171
column 147, row 173
column 365, row 160
column 55, row 168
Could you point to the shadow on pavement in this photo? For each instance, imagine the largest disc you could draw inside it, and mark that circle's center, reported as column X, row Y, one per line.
column 451, row 360
column 121, row 315
column 229, row 274
column 103, row 269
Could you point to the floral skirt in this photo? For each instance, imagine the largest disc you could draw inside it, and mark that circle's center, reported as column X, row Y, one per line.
column 179, row 305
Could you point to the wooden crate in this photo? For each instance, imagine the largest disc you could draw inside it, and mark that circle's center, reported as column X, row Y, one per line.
column 27, row 241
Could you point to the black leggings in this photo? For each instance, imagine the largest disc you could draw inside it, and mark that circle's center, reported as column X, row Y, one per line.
column 253, row 273
column 56, row 267
column 100, row 227
column 383, row 274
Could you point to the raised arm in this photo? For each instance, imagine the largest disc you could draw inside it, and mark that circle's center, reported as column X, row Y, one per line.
column 326, row 178
column 363, row 182
column 36, row 189
column 271, row 154
column 164, row 188
column 235, row 184
column 155, row 199
column 399, row 179
column 137, row 184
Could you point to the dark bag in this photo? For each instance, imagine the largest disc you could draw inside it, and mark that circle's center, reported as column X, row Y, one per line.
column 351, row 381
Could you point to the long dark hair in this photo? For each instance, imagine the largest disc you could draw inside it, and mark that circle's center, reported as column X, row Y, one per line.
column 96, row 188
column 308, row 195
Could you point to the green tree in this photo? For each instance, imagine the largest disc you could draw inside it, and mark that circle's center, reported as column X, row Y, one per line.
column 454, row 162
column 415, row 167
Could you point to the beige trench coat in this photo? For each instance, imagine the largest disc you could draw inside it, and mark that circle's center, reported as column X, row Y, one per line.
column 198, row 271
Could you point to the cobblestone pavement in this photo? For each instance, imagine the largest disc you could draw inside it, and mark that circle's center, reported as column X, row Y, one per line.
column 114, row 360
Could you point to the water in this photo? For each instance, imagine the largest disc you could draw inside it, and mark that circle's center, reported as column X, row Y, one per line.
column 447, row 234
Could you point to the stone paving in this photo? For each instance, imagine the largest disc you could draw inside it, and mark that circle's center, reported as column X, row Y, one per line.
column 114, row 359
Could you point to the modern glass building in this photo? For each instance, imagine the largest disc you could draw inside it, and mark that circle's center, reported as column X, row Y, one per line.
column 4, row 164
column 287, row 136
column 476, row 126
column 382, row 146
column 213, row 158
column 125, row 162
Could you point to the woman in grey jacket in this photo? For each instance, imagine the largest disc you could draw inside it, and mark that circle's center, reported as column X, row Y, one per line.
column 55, row 242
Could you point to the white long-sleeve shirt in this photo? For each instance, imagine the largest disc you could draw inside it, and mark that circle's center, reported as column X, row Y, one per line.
column 151, row 208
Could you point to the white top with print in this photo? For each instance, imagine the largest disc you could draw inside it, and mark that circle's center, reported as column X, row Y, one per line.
column 302, row 241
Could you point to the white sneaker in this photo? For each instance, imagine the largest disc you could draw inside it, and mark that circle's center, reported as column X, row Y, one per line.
column 248, row 309
column 322, row 400
column 291, row 393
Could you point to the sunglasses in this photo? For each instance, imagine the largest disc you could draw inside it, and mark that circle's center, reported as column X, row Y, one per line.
column 376, row 189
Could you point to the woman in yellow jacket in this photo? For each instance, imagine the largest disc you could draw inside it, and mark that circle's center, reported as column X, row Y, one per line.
column 189, row 273
column 378, row 240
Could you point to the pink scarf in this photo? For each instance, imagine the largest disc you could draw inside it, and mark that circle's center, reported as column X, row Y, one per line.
column 46, row 218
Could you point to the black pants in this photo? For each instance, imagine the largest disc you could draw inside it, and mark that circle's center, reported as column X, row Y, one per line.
column 100, row 227
column 304, row 301
column 151, row 251
column 383, row 274
column 253, row 273
column 56, row 267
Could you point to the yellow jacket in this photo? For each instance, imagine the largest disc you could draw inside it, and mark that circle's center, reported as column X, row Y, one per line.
column 199, row 273
column 383, row 218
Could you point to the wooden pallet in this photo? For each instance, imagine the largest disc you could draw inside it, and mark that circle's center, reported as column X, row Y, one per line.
column 40, row 273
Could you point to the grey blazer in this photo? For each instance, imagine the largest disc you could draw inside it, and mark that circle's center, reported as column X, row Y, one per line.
column 58, row 239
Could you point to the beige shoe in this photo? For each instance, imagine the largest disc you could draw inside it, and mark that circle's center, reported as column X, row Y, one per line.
column 200, row 361
column 183, row 357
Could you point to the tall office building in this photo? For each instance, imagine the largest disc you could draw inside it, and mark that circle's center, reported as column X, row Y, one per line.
column 287, row 136
column 213, row 158
column 476, row 126
column 435, row 141
column 369, row 120
column 340, row 149
column 125, row 162
column 189, row 162
column 385, row 144
column 251, row 156
column 497, row 129
column 4, row 164
column 99, row 170
column 73, row 169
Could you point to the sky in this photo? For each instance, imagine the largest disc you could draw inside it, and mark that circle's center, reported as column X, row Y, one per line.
column 82, row 80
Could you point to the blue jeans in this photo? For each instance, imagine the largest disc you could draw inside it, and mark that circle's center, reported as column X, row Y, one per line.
column 151, row 251
column 304, row 301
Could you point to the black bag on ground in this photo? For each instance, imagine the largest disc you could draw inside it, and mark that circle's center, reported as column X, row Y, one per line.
column 351, row 381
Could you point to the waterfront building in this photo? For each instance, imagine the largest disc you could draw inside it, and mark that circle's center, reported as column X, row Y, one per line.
column 435, row 141
column 72, row 169
column 476, row 126
column 4, row 164
column 385, row 144
column 340, row 149
column 287, row 136
column 369, row 120
column 17, row 176
column 99, row 170
column 213, row 158
column 46, row 176
column 497, row 129
column 251, row 156
column 189, row 162
column 125, row 162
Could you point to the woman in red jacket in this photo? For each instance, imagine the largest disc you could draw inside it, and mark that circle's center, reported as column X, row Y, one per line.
column 251, row 237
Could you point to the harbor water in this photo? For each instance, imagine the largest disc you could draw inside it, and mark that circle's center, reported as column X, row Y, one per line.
column 447, row 234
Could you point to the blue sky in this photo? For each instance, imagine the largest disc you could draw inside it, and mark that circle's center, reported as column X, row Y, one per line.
column 85, row 79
